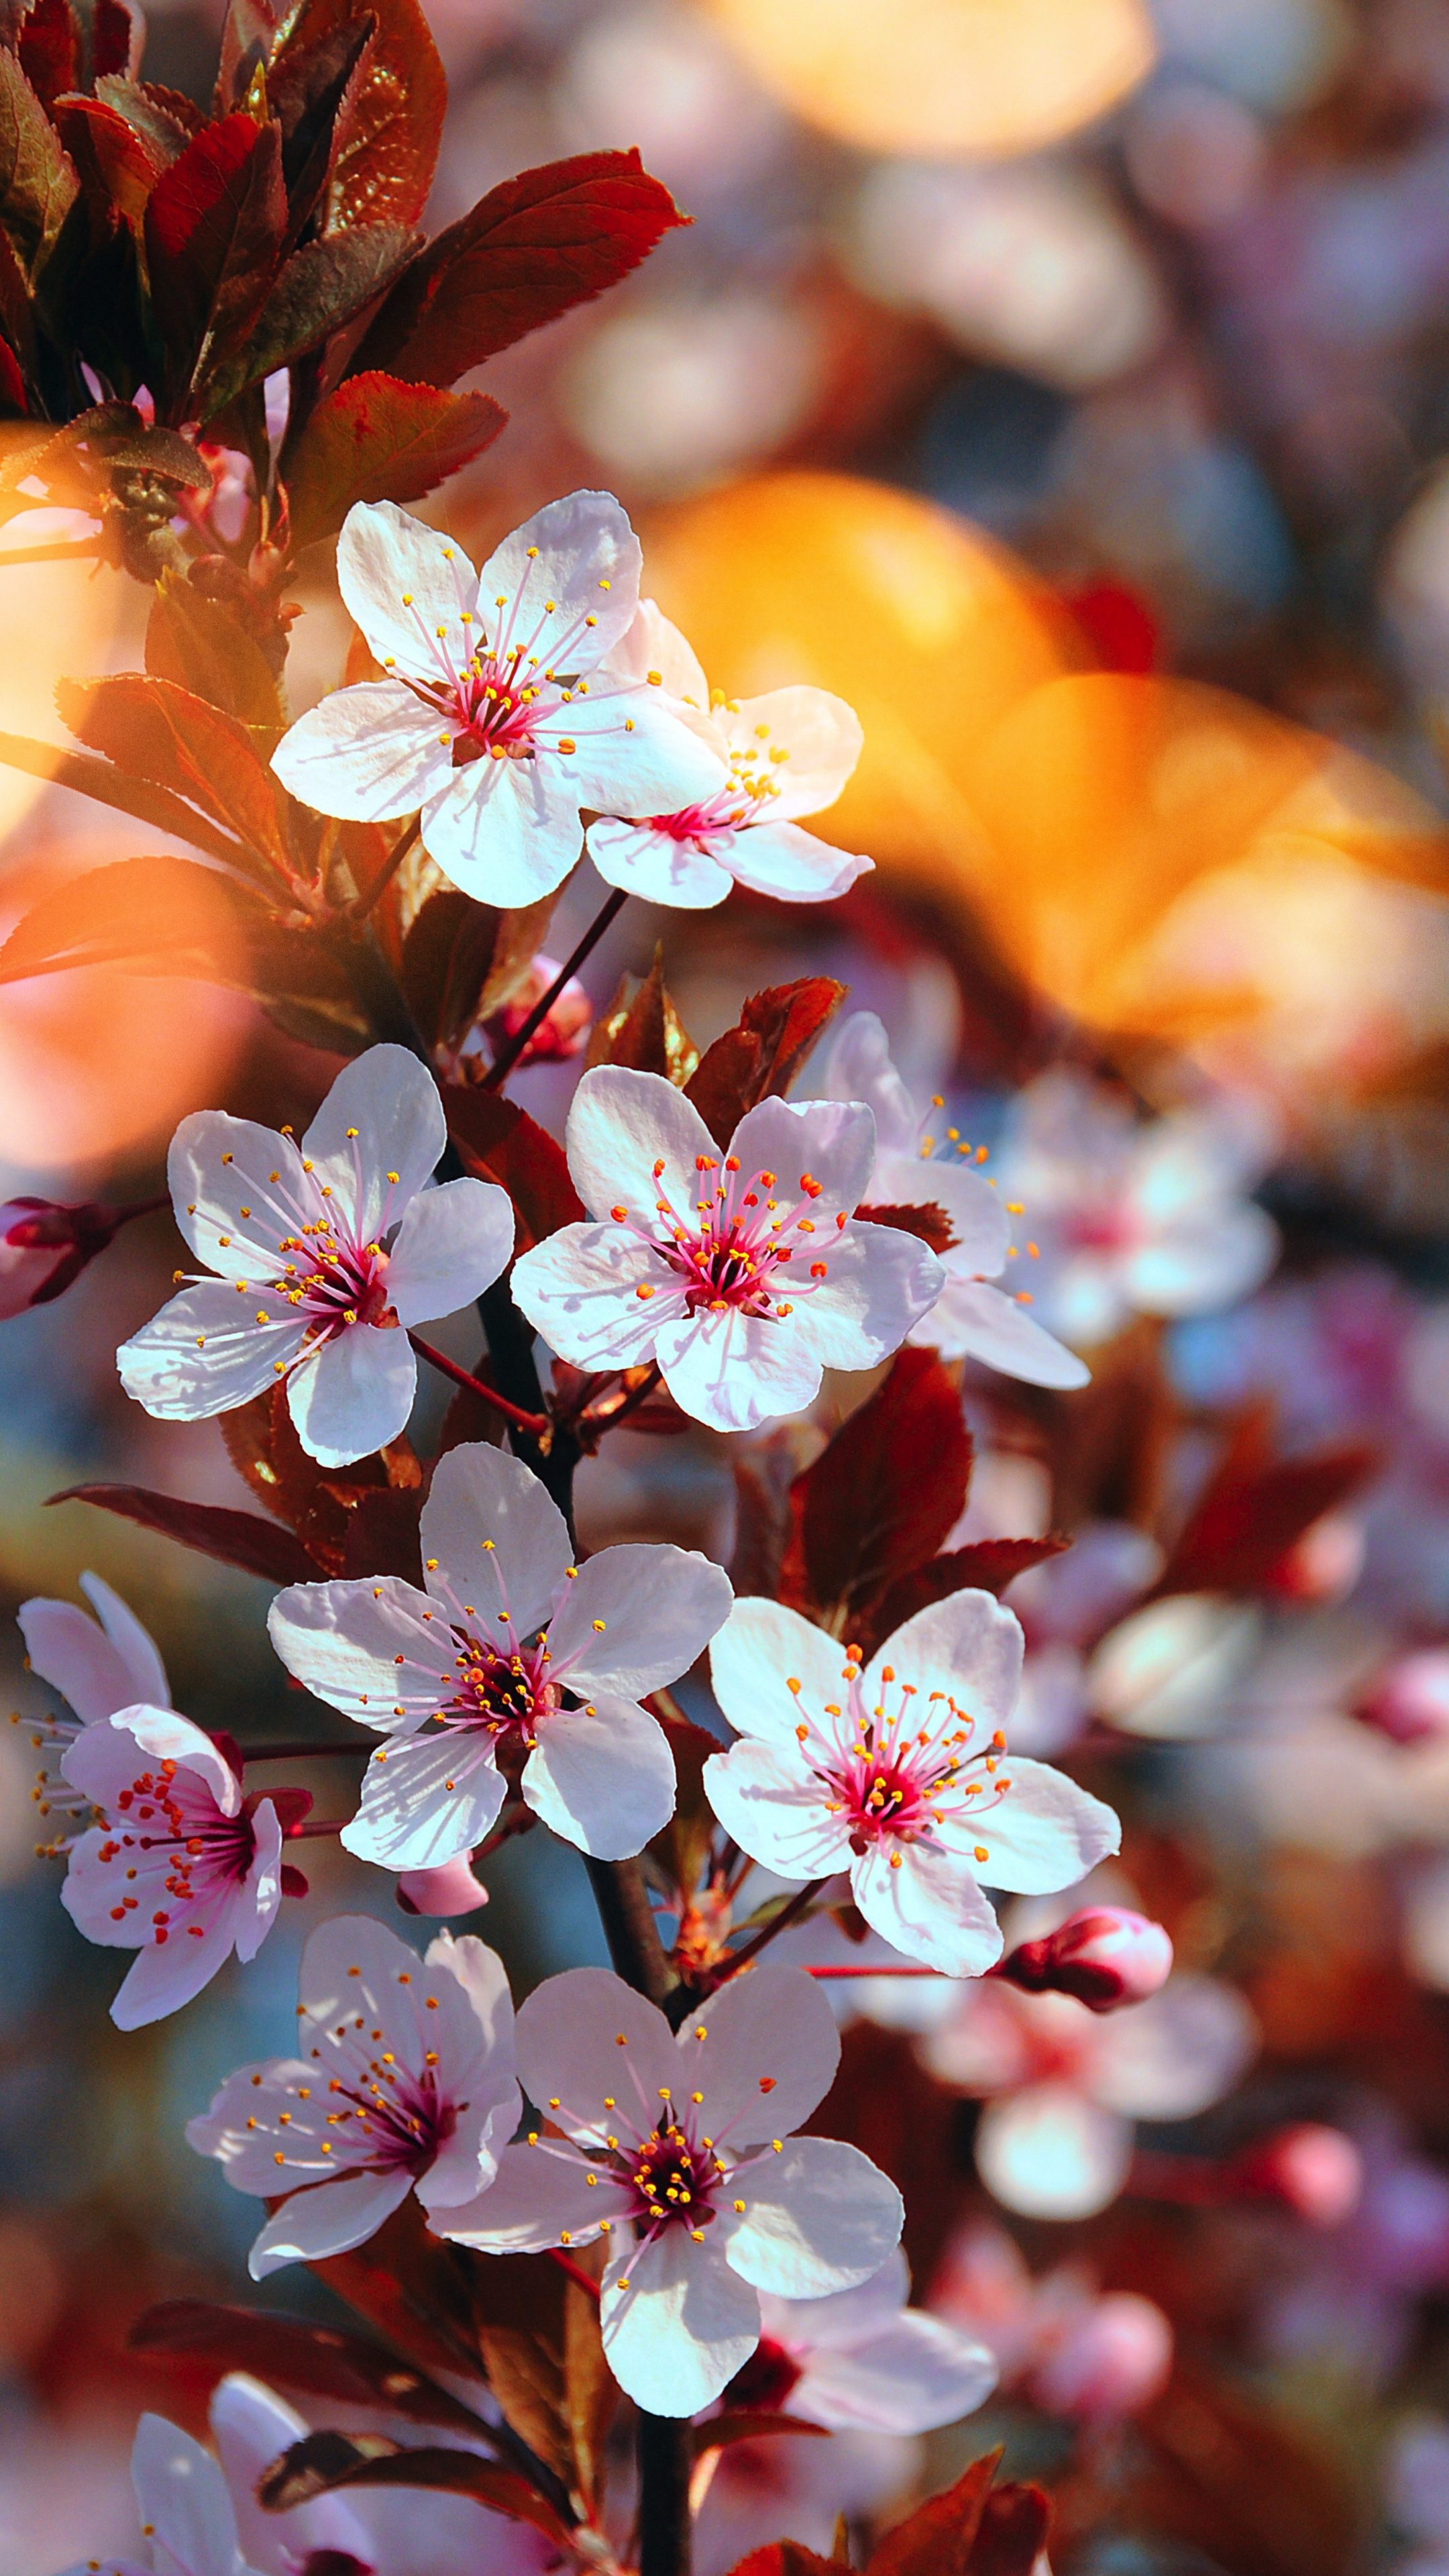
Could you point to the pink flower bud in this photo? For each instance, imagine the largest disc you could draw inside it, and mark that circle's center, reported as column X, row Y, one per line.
column 1104, row 1956
column 453, row 1889
column 564, row 1028
column 44, row 1247
column 1113, row 2359
column 1316, row 2170
column 1410, row 1699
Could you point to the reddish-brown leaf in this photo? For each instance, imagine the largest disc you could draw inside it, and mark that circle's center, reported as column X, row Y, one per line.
column 461, row 960
column 156, row 730
column 107, row 786
column 878, row 1501
column 762, row 1054
column 115, row 165
column 927, row 1222
column 215, row 225
column 644, row 1031
column 530, row 250
column 202, row 644
column 13, row 396
column 500, row 1142
column 1012, row 2534
column 158, row 916
column 987, row 1566
column 322, row 2462
column 591, row 2393
column 115, row 40
column 682, row 1847
column 787, row 2558
column 163, row 118
column 318, row 1504
column 1255, row 1507
column 234, row 1538
column 37, row 180
column 937, row 2539
column 376, row 439
column 748, row 2424
column 49, row 49
column 293, row 2351
column 386, row 143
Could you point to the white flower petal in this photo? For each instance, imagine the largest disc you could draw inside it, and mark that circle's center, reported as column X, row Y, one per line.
column 133, row 1643
column 657, row 866
column 907, row 2377
column 652, row 643
column 585, row 558
column 819, row 2216
column 182, row 2494
column 506, row 831
column 343, row 1640
column 260, row 1894
column 391, row 1102
column 1042, row 1833
column 327, row 2218
column 880, row 1282
column 1176, row 2054
column 979, row 1221
column 353, row 1395
column 636, row 1616
column 621, row 1124
column 451, row 1245
column 1050, row 2153
column 578, row 1291
column 206, row 1353
column 538, row 2198
column 972, row 1320
column 604, row 1783
column 369, row 754
column 161, row 1980
column 761, row 1648
column 634, row 753
column 968, row 1645
column 735, row 1371
column 425, row 1800
column 584, row 2036
column 777, row 858
column 68, row 1650
column 763, row 2051
column 819, row 735
column 500, row 1540
column 775, row 1811
column 829, row 1141
column 383, row 552
column 215, row 1166
column 104, row 1759
column 684, row 2325
column 929, row 1907
column 859, row 1066
column 1202, row 1260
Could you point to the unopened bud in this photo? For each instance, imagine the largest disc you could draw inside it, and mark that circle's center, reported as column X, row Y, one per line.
column 44, row 1247
column 1410, row 1699
column 1113, row 2360
column 451, row 1889
column 564, row 1028
column 1105, row 1956
column 1316, row 2170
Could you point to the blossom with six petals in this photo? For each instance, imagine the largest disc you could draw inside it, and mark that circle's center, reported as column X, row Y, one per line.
column 471, row 1681
column 746, row 832
column 495, row 720
column 323, row 1251
column 677, row 2148
column 743, row 1274
column 897, row 1772
column 403, row 2080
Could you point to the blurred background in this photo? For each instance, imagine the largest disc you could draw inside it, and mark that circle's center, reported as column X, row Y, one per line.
column 1066, row 384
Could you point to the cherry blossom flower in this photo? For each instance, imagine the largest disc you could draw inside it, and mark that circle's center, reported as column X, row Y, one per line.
column 514, row 1665
column 1137, row 1218
column 896, row 1772
column 676, row 2145
column 862, row 2360
column 1077, row 2351
column 746, row 832
column 187, row 2516
column 43, row 1247
column 743, row 1274
column 562, row 1033
column 971, row 1319
column 373, row 2531
column 1063, row 2085
column 323, row 1251
column 99, row 1665
column 181, row 1867
column 1106, row 1956
column 403, row 2080
column 495, row 720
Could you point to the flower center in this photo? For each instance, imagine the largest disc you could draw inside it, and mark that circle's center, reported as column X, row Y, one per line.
column 401, row 2119
column 675, row 2178
column 211, row 1852
column 502, row 1694
column 892, row 1779
column 727, row 1250
column 344, row 1282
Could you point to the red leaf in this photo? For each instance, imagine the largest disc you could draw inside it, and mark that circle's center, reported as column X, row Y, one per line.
column 324, row 2361
column 1255, row 1508
column 115, row 166
column 500, row 1142
column 762, row 1054
column 115, row 40
column 214, row 229
column 234, row 1538
column 323, row 2462
column 12, row 383
column 862, row 1518
column 158, row 731
column 988, row 1566
column 927, row 1221
column 1013, row 2532
column 937, row 2539
column 531, row 249
column 375, row 439
column 386, row 145
column 787, row 2558
column 49, row 49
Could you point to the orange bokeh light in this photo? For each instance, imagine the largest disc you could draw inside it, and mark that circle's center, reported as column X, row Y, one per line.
column 945, row 77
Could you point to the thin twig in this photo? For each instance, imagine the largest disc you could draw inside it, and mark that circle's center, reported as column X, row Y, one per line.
column 299, row 1752
column 504, row 1063
column 70, row 550
column 574, row 2270
column 359, row 909
column 610, row 1421
column 788, row 1914
column 533, row 1423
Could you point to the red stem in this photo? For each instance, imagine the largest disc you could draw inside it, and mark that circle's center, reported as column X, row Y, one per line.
column 507, row 1058
column 575, row 2271
column 534, row 1423
column 875, row 1972
column 637, row 1395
